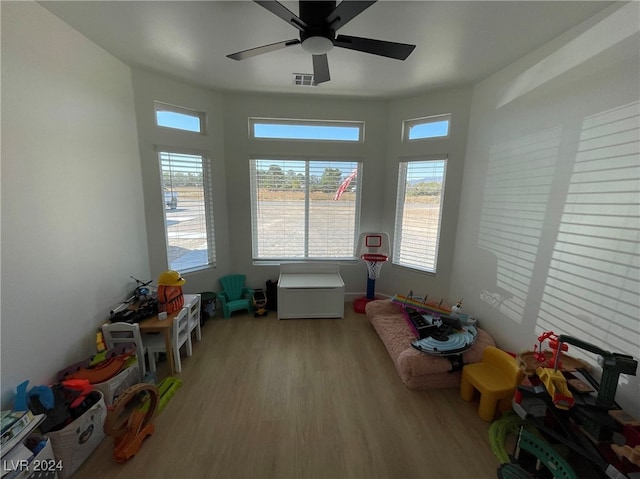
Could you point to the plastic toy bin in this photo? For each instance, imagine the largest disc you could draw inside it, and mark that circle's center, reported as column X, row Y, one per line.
column 122, row 381
column 74, row 444
column 41, row 466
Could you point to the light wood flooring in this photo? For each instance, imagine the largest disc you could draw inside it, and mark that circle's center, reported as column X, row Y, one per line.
column 309, row 398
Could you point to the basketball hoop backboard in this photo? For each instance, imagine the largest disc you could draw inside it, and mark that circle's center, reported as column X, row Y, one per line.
column 373, row 244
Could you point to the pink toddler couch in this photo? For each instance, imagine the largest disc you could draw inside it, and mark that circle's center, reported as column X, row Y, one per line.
column 418, row 370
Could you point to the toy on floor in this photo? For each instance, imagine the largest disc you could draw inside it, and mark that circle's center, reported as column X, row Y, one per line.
column 129, row 421
column 373, row 249
column 422, row 304
column 259, row 303
column 166, row 390
column 613, row 364
column 532, row 453
column 585, row 421
column 509, row 424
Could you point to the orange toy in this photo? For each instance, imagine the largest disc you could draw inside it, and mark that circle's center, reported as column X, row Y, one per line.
column 129, row 422
column 170, row 297
column 631, row 453
column 102, row 371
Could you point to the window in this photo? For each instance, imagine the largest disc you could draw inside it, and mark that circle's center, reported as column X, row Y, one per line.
column 188, row 211
column 306, row 130
column 419, row 213
column 179, row 118
column 424, row 128
column 304, row 209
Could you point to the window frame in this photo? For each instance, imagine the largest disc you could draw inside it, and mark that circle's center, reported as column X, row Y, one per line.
column 253, row 121
column 407, row 125
column 398, row 229
column 200, row 115
column 270, row 260
column 207, row 190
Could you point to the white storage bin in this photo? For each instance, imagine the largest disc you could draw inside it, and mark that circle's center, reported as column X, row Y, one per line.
column 310, row 290
column 122, row 381
column 17, row 460
column 42, row 466
column 75, row 443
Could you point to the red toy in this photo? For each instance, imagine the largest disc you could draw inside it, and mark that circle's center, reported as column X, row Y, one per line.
column 539, row 355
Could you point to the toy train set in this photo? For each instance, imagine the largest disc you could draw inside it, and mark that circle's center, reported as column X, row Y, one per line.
column 570, row 408
column 559, row 404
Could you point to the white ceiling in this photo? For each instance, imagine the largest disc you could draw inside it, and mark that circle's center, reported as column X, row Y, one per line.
column 458, row 42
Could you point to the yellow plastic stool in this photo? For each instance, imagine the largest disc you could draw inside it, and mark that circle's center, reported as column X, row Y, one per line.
column 496, row 378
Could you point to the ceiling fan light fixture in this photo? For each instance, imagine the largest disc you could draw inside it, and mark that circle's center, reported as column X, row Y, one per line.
column 318, row 23
column 317, row 45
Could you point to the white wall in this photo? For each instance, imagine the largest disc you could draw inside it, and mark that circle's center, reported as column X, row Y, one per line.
column 239, row 148
column 229, row 143
column 548, row 234
column 380, row 154
column 396, row 279
column 149, row 88
column 72, row 208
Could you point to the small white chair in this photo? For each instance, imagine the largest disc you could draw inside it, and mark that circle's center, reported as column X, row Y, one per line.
column 115, row 333
column 180, row 336
column 193, row 303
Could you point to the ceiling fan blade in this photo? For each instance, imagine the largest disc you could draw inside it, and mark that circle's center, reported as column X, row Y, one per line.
column 252, row 52
column 283, row 12
column 399, row 51
column 320, row 68
column 346, row 11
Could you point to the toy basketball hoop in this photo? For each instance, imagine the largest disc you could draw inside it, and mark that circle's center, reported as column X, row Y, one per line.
column 374, row 263
column 373, row 249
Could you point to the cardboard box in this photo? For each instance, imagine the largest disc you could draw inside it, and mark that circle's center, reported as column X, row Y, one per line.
column 122, row 381
column 75, row 443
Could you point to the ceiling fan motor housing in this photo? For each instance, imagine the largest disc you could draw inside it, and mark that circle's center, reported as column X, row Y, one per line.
column 316, row 44
column 317, row 38
column 312, row 11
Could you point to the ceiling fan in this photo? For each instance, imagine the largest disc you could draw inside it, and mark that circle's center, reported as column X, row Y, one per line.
column 318, row 23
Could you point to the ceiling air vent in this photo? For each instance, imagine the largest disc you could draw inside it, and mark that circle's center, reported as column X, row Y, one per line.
column 304, row 79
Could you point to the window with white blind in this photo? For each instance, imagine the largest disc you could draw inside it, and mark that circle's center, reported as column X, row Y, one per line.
column 304, row 209
column 419, row 213
column 188, row 211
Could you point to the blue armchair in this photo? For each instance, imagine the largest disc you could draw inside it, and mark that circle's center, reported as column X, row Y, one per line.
column 234, row 295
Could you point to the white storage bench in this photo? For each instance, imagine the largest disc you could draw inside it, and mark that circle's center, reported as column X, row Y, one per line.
column 310, row 290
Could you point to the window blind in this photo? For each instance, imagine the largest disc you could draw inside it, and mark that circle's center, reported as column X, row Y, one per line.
column 419, row 213
column 304, row 209
column 187, row 189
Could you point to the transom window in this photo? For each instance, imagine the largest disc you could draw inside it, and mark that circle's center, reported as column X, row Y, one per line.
column 179, row 118
column 304, row 209
column 419, row 213
column 306, row 130
column 425, row 128
column 188, row 210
